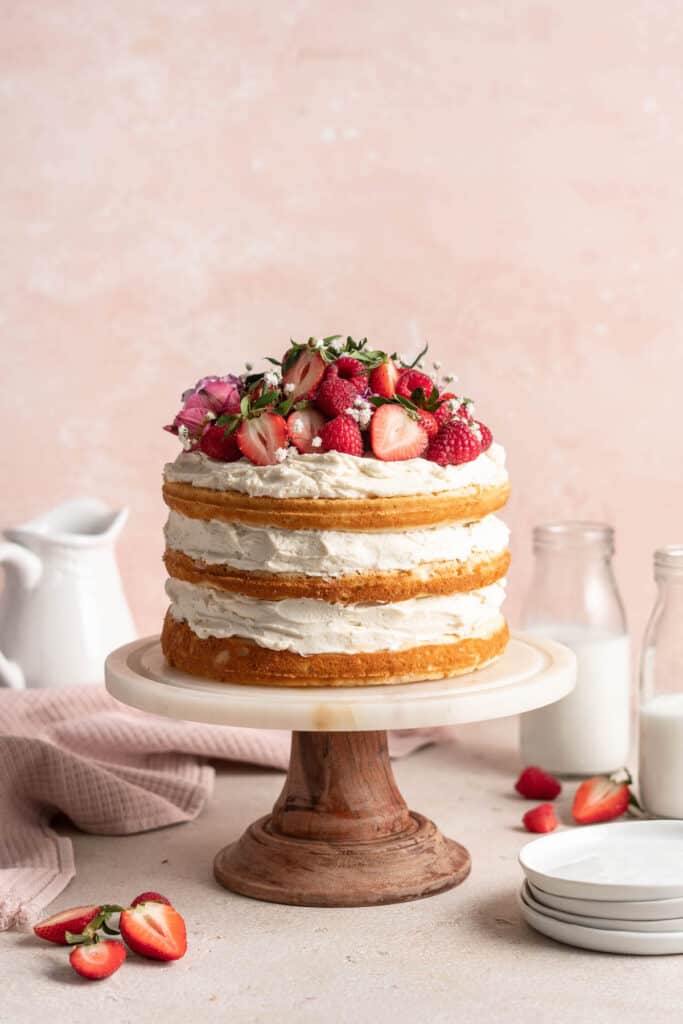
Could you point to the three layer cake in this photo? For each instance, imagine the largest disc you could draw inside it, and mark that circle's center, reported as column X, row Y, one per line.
column 331, row 523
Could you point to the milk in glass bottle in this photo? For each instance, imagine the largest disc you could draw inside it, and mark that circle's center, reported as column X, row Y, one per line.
column 574, row 599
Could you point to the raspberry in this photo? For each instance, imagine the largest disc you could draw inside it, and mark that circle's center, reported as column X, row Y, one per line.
column 342, row 434
column 535, row 784
column 429, row 423
column 486, row 436
column 445, row 411
column 412, row 379
column 455, row 443
column 352, row 370
column 335, row 395
column 218, row 444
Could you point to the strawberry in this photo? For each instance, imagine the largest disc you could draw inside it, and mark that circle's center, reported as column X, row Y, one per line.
column 96, row 960
column 305, row 371
column 395, row 435
column 150, row 897
column 455, row 443
column 261, row 437
column 486, row 436
column 304, row 426
column 409, row 380
column 540, row 819
column 535, row 784
column 75, row 919
column 384, row 378
column 443, row 412
column 429, row 422
column 154, row 930
column 218, row 444
column 601, row 799
column 342, row 434
column 335, row 395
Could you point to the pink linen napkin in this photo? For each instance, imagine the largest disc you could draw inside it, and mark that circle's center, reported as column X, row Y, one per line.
column 112, row 771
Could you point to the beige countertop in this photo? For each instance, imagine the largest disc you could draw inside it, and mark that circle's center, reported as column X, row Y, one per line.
column 465, row 955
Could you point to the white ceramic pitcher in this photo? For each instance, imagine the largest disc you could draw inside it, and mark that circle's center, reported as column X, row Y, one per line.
column 62, row 608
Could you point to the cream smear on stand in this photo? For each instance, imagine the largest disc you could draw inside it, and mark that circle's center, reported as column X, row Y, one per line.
column 587, row 732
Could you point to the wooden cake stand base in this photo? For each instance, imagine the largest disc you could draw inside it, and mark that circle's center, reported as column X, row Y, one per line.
column 340, row 833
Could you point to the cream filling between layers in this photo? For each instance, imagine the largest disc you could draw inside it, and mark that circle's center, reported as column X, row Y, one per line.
column 331, row 552
column 308, row 626
column 337, row 475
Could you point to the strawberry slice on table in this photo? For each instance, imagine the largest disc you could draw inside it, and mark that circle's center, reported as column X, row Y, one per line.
column 261, row 437
column 305, row 371
column 384, row 378
column 535, row 784
column 97, row 960
column 602, row 798
column 304, row 425
column 540, row 819
column 75, row 920
column 395, row 435
column 155, row 930
column 150, row 897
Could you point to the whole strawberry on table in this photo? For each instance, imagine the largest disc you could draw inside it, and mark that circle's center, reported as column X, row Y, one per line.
column 332, row 394
column 150, row 926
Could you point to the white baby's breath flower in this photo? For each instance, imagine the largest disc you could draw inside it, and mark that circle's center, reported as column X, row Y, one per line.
column 474, row 429
column 184, row 437
column 316, row 442
column 271, row 379
column 289, row 387
column 336, row 344
column 298, row 425
column 437, row 365
column 318, row 343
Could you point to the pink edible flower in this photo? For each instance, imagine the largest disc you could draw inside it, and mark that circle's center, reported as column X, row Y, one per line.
column 202, row 404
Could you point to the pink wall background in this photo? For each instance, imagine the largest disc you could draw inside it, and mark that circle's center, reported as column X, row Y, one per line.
column 186, row 184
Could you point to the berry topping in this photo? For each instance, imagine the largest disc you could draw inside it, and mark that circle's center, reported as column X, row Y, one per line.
column 348, row 367
column 342, row 434
column 217, row 443
column 602, row 798
column 335, row 395
column 304, row 369
column 384, row 378
column 304, row 426
column 395, row 435
column 449, row 407
column 410, row 380
column 154, row 930
column 97, row 960
column 150, row 897
column 429, row 423
column 75, row 919
column 262, row 438
column 486, row 436
column 456, row 442
column 540, row 819
column 535, row 784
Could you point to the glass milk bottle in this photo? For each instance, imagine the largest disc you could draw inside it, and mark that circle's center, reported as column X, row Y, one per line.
column 574, row 599
column 661, row 692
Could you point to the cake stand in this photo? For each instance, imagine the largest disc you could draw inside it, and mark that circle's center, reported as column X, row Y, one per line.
column 340, row 833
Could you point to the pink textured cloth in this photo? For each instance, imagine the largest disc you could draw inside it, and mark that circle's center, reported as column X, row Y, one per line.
column 112, row 771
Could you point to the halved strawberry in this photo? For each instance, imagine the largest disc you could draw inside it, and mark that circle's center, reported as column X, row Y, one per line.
column 305, row 373
column 261, row 437
column 75, row 919
column 430, row 423
column 149, row 897
column 601, row 798
column 97, row 960
column 154, row 930
column 384, row 378
column 395, row 435
column 304, row 425
column 540, row 819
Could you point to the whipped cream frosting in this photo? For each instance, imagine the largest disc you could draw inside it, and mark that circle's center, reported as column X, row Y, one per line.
column 337, row 475
column 307, row 626
column 331, row 552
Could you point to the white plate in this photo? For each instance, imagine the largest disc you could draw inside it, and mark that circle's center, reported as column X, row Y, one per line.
column 635, row 943
column 625, row 860
column 675, row 924
column 627, row 910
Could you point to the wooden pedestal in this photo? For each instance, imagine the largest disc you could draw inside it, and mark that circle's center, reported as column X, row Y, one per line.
column 340, row 833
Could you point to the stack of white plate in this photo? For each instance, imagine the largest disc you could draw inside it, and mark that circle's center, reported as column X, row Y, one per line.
column 616, row 888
